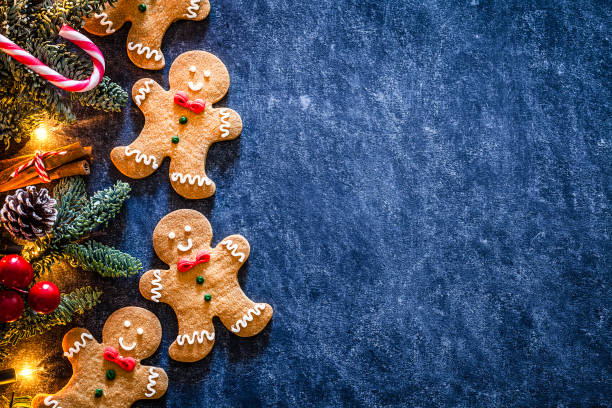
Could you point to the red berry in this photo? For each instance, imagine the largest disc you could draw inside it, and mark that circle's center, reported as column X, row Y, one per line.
column 11, row 306
column 15, row 272
column 44, row 297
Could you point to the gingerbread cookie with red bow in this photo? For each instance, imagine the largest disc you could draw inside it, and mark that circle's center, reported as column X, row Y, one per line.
column 150, row 19
column 181, row 124
column 109, row 374
column 202, row 282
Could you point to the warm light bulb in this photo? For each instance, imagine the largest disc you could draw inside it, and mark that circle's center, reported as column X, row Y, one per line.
column 26, row 372
column 41, row 132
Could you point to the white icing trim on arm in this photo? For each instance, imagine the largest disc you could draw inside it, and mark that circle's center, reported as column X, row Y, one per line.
column 224, row 114
column 229, row 244
column 141, row 49
column 192, row 179
column 192, row 9
column 157, row 287
column 248, row 317
column 197, row 335
column 152, row 383
column 142, row 92
column 149, row 160
column 78, row 345
column 105, row 22
column 50, row 402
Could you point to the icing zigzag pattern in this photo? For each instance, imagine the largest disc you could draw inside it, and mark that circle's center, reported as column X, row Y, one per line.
column 156, row 287
column 191, row 10
column 142, row 49
column 192, row 179
column 142, row 92
column 78, row 344
column 141, row 157
column 248, row 317
column 224, row 128
column 199, row 335
column 151, row 385
column 50, row 402
column 229, row 244
column 105, row 22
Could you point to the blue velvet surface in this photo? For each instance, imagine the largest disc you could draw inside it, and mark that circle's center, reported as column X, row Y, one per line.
column 426, row 189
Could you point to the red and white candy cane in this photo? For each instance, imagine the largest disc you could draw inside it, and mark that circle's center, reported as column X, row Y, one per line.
column 39, row 165
column 52, row 76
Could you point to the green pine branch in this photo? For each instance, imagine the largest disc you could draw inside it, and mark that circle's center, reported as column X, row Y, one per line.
column 32, row 324
column 108, row 262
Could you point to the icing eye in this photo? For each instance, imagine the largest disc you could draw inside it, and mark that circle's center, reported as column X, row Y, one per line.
column 171, row 235
column 207, row 74
column 140, row 331
column 187, row 228
column 127, row 323
column 194, row 69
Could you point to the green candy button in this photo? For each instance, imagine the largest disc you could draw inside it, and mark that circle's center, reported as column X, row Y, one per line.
column 183, row 120
column 207, row 298
column 142, row 7
column 200, row 280
column 110, row 374
column 175, row 139
column 98, row 392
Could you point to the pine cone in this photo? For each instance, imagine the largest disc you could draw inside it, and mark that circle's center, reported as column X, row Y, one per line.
column 29, row 214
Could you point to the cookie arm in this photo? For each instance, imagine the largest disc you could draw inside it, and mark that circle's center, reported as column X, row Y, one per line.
column 152, row 383
column 151, row 285
column 77, row 342
column 196, row 10
column 147, row 94
column 105, row 22
column 228, row 124
column 234, row 250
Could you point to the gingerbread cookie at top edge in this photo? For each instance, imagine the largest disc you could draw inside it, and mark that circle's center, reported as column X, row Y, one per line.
column 201, row 283
column 109, row 374
column 150, row 19
column 181, row 124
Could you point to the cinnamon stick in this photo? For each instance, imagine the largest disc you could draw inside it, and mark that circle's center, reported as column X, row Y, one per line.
column 76, row 168
column 73, row 152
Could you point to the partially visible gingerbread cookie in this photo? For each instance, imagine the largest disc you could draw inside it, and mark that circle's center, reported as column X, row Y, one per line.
column 201, row 283
column 109, row 374
column 181, row 123
column 150, row 19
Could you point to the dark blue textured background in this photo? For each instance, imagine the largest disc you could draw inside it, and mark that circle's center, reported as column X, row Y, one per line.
column 426, row 189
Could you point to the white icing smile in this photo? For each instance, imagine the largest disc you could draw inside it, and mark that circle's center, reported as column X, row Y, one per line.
column 126, row 348
column 184, row 248
column 195, row 87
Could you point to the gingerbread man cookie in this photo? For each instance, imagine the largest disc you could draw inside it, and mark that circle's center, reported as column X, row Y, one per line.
column 150, row 19
column 181, row 123
column 201, row 283
column 110, row 374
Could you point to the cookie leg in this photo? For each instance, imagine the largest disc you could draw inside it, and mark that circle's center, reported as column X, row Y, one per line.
column 196, row 10
column 189, row 179
column 195, row 340
column 142, row 157
column 242, row 316
column 46, row 400
column 144, row 45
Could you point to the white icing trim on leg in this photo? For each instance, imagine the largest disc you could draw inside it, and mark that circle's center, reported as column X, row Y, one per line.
column 224, row 114
column 50, row 402
column 142, row 92
column 192, row 179
column 157, row 286
column 152, row 383
column 78, row 345
column 105, row 22
column 229, row 244
column 197, row 335
column 141, row 49
column 248, row 317
column 192, row 9
column 149, row 160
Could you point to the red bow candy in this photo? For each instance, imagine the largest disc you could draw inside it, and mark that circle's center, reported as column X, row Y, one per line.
column 111, row 354
column 39, row 164
column 196, row 106
column 184, row 265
